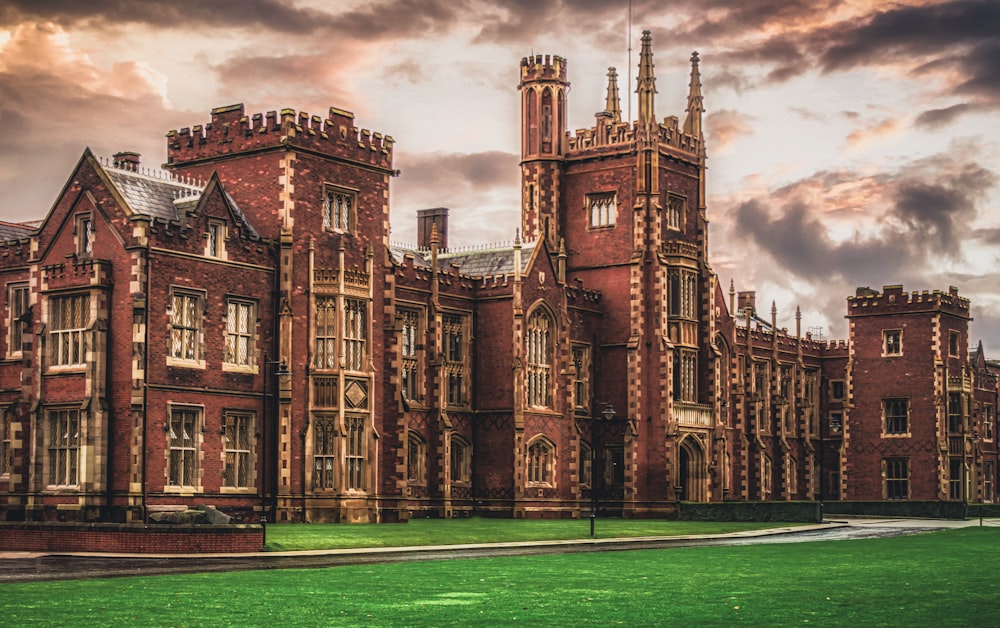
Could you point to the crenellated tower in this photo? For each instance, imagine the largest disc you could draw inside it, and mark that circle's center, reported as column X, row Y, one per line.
column 543, row 89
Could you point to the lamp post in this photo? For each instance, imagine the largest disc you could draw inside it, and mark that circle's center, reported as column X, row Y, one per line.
column 596, row 470
column 269, row 437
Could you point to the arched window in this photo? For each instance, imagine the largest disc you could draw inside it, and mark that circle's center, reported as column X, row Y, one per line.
column 541, row 463
column 538, row 350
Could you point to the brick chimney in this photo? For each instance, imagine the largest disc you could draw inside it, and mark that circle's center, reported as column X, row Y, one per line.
column 426, row 219
column 127, row 160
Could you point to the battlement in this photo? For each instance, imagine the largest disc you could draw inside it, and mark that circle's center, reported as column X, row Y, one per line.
column 894, row 300
column 232, row 132
column 606, row 134
column 543, row 67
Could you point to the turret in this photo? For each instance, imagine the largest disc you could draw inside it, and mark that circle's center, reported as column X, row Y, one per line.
column 543, row 135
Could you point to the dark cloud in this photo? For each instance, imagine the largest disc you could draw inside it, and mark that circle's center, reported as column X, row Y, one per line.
column 936, row 118
column 270, row 14
column 956, row 39
column 445, row 172
column 905, row 32
column 923, row 212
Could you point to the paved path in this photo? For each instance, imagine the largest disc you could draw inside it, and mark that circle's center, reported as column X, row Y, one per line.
column 25, row 566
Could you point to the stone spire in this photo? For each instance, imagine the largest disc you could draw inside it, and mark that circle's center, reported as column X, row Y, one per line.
column 646, row 82
column 613, row 105
column 695, row 106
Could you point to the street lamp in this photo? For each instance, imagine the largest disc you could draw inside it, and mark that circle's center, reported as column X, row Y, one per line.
column 270, row 462
column 608, row 414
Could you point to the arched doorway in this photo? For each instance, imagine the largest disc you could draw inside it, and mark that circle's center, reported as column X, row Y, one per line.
column 693, row 471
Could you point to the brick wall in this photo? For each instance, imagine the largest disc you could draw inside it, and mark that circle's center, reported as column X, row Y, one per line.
column 110, row 537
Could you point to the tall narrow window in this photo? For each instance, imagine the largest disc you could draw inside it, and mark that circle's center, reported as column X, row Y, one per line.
column 416, row 462
column 326, row 333
column 338, row 209
column 64, row 447
column 216, row 244
column 355, row 334
column 897, row 478
column 538, row 351
column 892, row 342
column 324, row 453
column 686, row 376
column 69, row 317
column 240, row 319
column 766, row 477
column 955, row 414
column 896, row 413
column 682, row 294
column 185, row 325
column 237, row 449
column 85, row 235
column 455, row 366
column 676, row 206
column 410, row 367
column 586, row 465
column 356, row 450
column 6, row 438
column 954, row 339
column 837, row 390
column 541, row 461
column 17, row 307
column 988, row 481
column 581, row 378
column 602, row 208
column 988, row 419
column 182, row 440
column 461, row 461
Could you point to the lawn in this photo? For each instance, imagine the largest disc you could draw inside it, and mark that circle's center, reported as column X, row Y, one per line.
column 288, row 537
column 934, row 579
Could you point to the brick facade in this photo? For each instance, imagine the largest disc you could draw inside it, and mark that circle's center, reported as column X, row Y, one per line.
column 239, row 331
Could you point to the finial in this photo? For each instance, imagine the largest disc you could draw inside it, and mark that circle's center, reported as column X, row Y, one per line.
column 612, row 103
column 646, row 82
column 695, row 105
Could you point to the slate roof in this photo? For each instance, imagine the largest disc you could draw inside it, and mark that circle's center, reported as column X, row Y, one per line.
column 484, row 262
column 149, row 194
column 16, row 230
column 160, row 195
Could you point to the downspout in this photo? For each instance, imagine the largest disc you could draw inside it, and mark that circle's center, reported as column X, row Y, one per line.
column 145, row 391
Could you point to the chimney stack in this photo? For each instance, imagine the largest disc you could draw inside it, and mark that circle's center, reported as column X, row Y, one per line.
column 127, row 160
column 426, row 219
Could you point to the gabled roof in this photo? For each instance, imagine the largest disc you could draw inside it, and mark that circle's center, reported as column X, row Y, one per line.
column 484, row 262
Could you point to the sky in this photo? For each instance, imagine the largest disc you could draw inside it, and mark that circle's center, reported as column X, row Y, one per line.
column 850, row 142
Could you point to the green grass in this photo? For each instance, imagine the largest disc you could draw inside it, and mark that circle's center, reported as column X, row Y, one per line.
column 288, row 537
column 935, row 579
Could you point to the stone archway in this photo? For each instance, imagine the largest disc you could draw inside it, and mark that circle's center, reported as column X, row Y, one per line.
column 693, row 468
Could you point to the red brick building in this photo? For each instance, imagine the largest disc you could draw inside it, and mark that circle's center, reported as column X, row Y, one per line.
column 239, row 331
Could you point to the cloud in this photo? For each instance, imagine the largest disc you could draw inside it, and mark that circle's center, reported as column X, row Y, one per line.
column 57, row 97
column 875, row 130
column 911, row 219
column 190, row 14
column 726, row 126
column 955, row 41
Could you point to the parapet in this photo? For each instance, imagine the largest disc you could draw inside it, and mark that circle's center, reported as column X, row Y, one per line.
column 543, row 68
column 894, row 300
column 232, row 132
